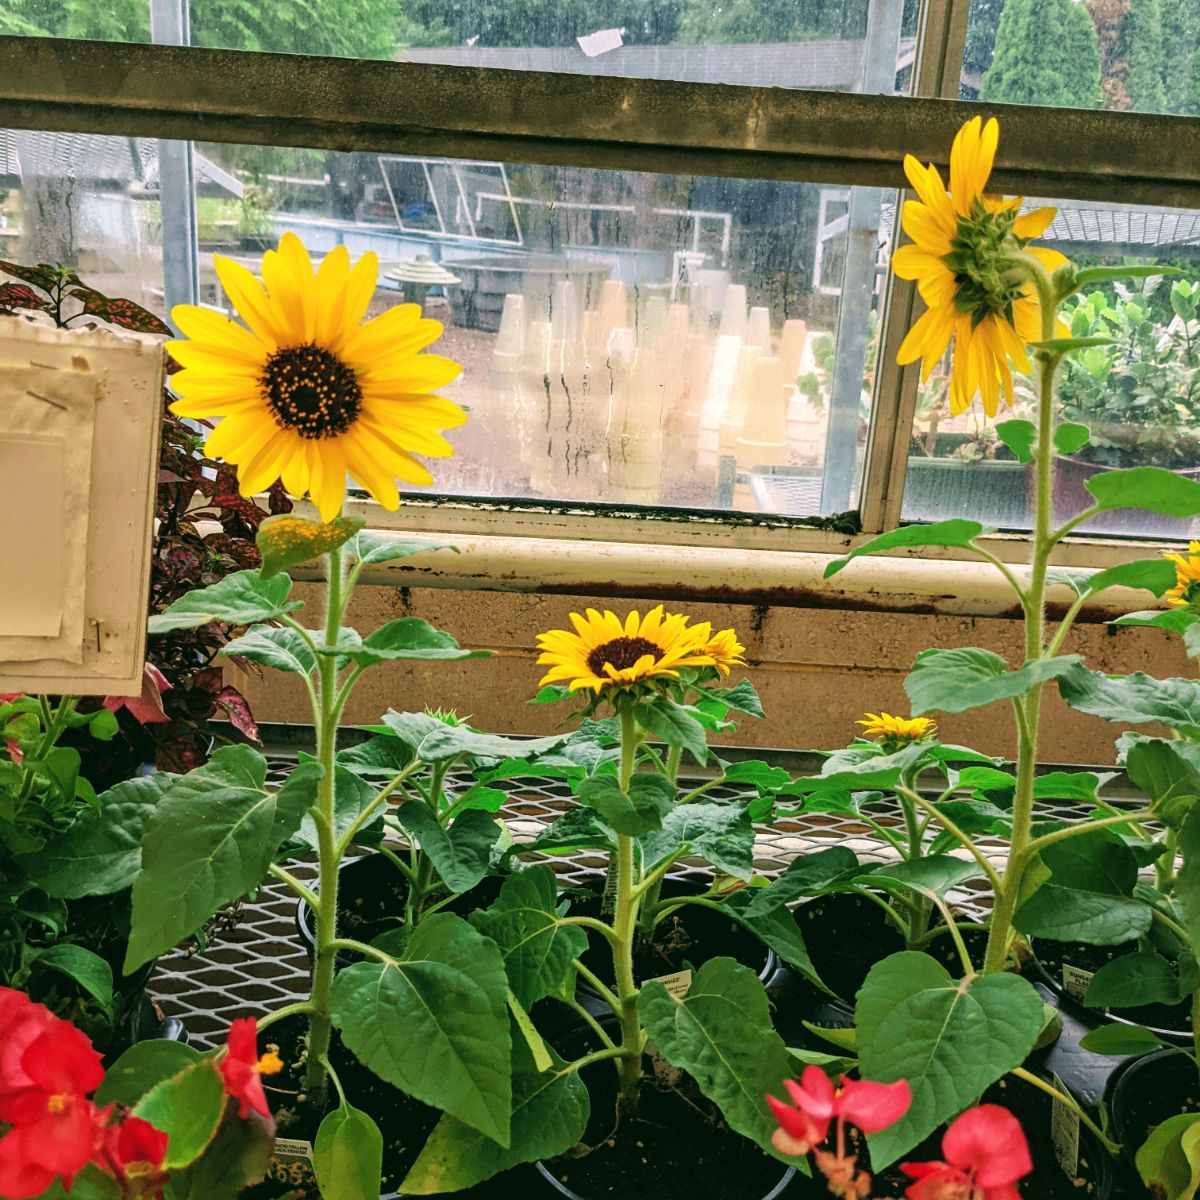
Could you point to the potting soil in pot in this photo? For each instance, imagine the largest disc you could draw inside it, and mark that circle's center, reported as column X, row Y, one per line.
column 1147, row 1091
column 846, row 936
column 677, row 1147
column 689, row 934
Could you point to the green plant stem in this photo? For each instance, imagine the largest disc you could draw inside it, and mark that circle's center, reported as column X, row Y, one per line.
column 592, row 1023
column 601, row 988
column 697, row 792
column 674, row 755
column 629, row 1069
column 1004, row 569
column 1068, row 1102
column 1029, row 708
column 595, row 1057
column 56, row 721
column 655, row 877
column 398, row 863
column 300, row 1009
column 377, row 802
column 597, row 926
column 301, row 889
column 952, row 827
column 1038, row 844
column 328, row 859
column 354, row 947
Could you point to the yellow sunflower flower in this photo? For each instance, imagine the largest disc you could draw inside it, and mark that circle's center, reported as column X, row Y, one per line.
column 964, row 241
column 1186, row 592
column 604, row 653
column 894, row 732
column 725, row 650
column 305, row 391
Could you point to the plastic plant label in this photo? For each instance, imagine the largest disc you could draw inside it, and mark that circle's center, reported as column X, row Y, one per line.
column 1075, row 980
column 292, row 1163
column 677, row 984
column 293, row 1148
column 1064, row 1134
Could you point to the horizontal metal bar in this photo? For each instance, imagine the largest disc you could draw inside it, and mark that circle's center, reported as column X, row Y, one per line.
column 532, row 116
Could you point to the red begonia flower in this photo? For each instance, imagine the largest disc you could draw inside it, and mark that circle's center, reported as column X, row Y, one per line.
column 870, row 1106
column 133, row 1149
column 986, row 1154
column 47, row 1070
column 241, row 1068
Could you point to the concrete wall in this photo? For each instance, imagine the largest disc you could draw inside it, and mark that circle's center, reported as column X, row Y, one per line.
column 817, row 670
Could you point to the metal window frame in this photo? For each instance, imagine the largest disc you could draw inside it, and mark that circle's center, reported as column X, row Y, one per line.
column 192, row 94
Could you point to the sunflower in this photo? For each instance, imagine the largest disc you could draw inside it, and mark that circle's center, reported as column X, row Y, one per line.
column 894, row 732
column 604, row 653
column 964, row 243
column 305, row 390
column 725, row 650
column 1186, row 592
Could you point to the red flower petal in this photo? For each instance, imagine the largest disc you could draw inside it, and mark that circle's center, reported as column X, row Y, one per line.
column 936, row 1181
column 22, row 1023
column 798, row 1126
column 136, row 1141
column 989, row 1142
column 873, row 1106
column 239, row 1068
column 814, row 1093
column 20, row 1178
column 62, row 1061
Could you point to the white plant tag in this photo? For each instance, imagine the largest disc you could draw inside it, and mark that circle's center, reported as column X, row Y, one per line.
column 1064, row 1134
column 1075, row 980
column 293, row 1148
column 677, row 984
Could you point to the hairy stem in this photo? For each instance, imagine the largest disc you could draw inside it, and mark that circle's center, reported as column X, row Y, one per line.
column 629, row 1068
column 328, row 859
column 1029, row 707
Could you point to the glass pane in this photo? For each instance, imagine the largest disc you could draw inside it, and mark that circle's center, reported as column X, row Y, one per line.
column 1123, row 55
column 1140, row 397
column 86, row 202
column 770, row 43
column 826, row 44
column 627, row 338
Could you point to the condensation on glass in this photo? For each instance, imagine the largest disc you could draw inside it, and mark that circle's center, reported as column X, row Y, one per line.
column 626, row 338
column 1140, row 396
column 91, row 203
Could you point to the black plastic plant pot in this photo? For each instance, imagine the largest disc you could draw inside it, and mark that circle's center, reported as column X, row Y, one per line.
column 555, row 1187
column 1146, row 1091
column 404, row 1122
column 1066, row 968
column 690, row 934
column 846, row 935
column 676, row 1147
column 371, row 898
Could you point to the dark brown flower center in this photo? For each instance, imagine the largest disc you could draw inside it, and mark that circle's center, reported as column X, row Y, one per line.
column 620, row 653
column 311, row 391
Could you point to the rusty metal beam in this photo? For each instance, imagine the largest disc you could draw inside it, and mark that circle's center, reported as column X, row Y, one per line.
column 529, row 116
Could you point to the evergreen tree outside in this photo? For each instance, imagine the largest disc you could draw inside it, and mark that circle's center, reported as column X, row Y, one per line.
column 1145, row 42
column 1046, row 54
column 1181, row 46
column 1191, row 99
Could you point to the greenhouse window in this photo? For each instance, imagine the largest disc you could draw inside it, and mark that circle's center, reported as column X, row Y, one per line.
column 667, row 286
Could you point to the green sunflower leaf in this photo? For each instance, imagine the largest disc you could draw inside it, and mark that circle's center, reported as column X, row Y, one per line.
column 942, row 533
column 242, row 598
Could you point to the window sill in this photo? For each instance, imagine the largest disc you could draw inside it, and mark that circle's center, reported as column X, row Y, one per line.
column 550, row 552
